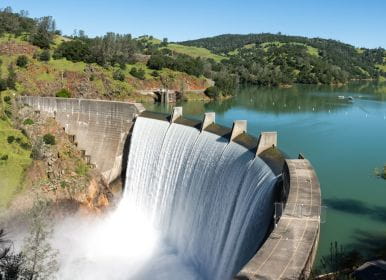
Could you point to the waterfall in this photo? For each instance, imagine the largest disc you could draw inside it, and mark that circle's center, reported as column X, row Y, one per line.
column 211, row 200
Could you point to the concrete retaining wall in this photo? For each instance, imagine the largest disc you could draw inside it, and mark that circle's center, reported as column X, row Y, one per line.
column 100, row 128
column 289, row 251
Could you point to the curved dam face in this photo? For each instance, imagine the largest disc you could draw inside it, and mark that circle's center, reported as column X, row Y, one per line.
column 207, row 191
column 212, row 199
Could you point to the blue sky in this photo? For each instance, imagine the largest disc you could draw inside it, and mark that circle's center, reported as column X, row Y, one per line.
column 358, row 22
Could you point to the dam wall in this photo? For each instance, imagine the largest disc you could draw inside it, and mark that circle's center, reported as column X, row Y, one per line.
column 214, row 164
column 98, row 127
column 290, row 249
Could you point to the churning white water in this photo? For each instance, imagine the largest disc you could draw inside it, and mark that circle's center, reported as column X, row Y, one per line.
column 194, row 207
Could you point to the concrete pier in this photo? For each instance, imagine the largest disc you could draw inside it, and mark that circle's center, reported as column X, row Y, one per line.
column 239, row 127
column 266, row 140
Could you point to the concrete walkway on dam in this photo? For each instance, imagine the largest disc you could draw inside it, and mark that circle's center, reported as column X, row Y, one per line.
column 289, row 251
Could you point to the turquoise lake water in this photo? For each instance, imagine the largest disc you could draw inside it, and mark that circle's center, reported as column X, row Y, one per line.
column 345, row 141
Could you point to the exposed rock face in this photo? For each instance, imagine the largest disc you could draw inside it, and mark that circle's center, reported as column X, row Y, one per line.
column 59, row 172
column 97, row 196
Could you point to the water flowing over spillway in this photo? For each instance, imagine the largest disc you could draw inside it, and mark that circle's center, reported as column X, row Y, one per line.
column 211, row 200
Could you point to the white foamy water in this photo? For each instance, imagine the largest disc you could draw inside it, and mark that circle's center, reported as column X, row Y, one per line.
column 194, row 207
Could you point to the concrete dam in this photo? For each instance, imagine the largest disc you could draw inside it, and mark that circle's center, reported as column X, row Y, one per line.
column 228, row 205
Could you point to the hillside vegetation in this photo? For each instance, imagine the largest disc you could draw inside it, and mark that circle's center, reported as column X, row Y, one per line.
column 14, row 153
column 274, row 59
column 110, row 67
column 118, row 66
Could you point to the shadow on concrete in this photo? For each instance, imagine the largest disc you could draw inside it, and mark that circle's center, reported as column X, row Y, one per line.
column 357, row 207
column 125, row 156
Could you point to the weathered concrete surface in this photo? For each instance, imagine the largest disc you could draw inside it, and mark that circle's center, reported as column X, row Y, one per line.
column 266, row 140
column 177, row 113
column 239, row 127
column 99, row 127
column 289, row 250
column 209, row 118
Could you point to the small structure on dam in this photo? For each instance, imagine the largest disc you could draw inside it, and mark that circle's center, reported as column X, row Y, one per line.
column 228, row 203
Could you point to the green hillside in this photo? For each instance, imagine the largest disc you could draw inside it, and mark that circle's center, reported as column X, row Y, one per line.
column 274, row 59
column 14, row 153
column 118, row 66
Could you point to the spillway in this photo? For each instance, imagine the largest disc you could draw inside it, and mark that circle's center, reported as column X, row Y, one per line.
column 211, row 199
column 198, row 198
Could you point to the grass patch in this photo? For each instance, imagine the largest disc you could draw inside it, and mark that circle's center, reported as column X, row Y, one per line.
column 58, row 40
column 310, row 50
column 12, row 38
column 44, row 76
column 6, row 59
column 195, row 51
column 81, row 168
column 12, row 169
column 65, row 65
column 139, row 65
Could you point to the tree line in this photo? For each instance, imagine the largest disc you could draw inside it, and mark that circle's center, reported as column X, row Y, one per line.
column 274, row 59
column 269, row 59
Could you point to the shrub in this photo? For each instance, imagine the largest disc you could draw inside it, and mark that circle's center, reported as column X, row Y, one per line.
column 3, row 84
column 28, row 122
column 122, row 66
column 49, row 139
column 119, row 75
column 10, row 139
column 4, row 157
column 22, row 61
column 25, row 146
column 18, row 140
column 63, row 184
column 11, row 79
column 7, row 99
column 140, row 74
column 155, row 74
column 8, row 113
column 75, row 51
column 63, row 93
column 213, row 92
column 45, row 55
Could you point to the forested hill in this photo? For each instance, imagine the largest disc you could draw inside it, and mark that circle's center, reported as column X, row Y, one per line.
column 226, row 43
column 270, row 59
